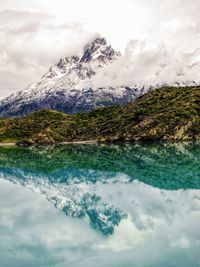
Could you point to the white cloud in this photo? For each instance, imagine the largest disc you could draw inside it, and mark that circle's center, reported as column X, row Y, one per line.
column 35, row 34
column 144, row 66
column 31, row 42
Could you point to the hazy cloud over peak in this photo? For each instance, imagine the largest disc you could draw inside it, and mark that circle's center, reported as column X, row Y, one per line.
column 31, row 42
column 35, row 34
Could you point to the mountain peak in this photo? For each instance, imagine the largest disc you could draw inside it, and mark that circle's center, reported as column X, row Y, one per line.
column 99, row 41
column 96, row 44
column 98, row 49
column 69, row 85
column 96, row 54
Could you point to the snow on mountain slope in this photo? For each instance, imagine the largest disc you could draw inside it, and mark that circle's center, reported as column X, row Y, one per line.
column 77, row 84
column 68, row 85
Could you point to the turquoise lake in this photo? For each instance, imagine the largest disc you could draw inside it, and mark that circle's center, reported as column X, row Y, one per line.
column 100, row 205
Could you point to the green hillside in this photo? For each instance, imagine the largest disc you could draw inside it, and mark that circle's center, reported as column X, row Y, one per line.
column 171, row 113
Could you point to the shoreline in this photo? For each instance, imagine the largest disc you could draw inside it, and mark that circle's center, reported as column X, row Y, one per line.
column 92, row 142
column 80, row 142
column 7, row 144
column 96, row 142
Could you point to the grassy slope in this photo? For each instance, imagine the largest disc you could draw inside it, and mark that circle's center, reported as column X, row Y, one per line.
column 164, row 114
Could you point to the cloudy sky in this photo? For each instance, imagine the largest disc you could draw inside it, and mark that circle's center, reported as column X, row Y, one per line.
column 35, row 34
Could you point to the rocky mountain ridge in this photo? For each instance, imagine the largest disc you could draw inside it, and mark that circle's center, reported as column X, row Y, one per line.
column 70, row 85
column 67, row 86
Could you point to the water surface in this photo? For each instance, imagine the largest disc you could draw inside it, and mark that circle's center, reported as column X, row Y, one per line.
column 89, row 205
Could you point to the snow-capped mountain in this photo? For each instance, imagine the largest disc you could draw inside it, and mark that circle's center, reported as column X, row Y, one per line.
column 68, row 85
column 71, row 85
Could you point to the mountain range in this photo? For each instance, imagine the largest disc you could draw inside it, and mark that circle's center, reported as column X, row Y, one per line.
column 69, row 86
column 66, row 105
column 77, row 83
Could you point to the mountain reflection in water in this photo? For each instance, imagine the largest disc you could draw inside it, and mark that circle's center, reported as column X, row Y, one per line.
column 131, row 195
